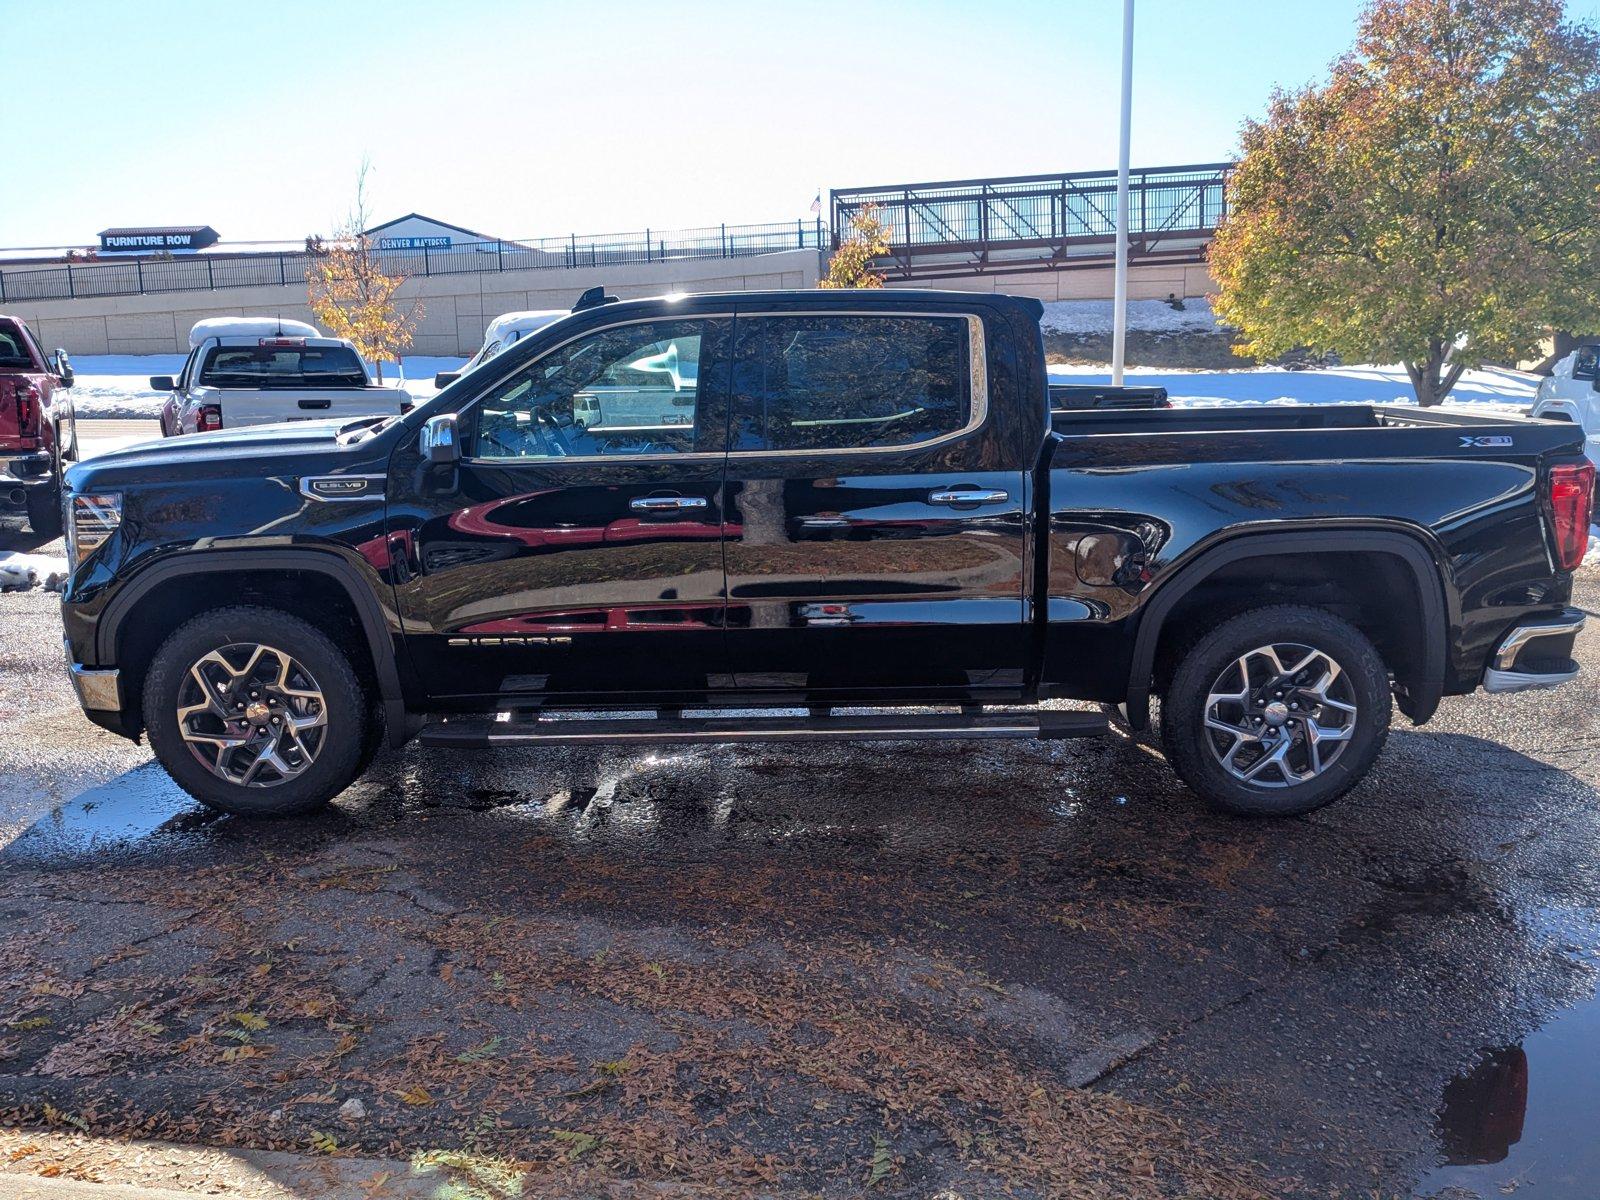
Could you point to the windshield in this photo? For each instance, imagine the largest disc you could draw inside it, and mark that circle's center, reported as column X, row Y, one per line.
column 13, row 352
column 283, row 367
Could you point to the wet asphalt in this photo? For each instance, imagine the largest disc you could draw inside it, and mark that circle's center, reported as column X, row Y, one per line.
column 903, row 969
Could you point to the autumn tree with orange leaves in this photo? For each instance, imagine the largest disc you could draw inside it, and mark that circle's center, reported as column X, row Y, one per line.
column 1436, row 202
column 352, row 294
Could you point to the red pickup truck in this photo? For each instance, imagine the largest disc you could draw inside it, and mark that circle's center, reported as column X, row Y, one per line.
column 37, row 435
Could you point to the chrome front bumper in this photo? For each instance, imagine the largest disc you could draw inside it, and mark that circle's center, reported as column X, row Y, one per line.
column 1529, row 657
column 99, row 690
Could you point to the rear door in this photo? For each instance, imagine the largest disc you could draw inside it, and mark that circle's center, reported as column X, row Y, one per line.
column 875, row 531
column 566, row 558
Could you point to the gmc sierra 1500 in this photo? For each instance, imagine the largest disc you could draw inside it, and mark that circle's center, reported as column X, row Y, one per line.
column 867, row 504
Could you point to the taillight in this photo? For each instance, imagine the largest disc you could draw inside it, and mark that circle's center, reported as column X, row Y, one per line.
column 208, row 418
column 1571, row 505
column 27, row 400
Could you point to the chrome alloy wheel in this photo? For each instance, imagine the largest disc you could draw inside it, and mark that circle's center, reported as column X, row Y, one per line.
column 252, row 715
column 1280, row 715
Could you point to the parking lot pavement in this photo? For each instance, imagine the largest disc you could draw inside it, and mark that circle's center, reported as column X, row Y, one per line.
column 1039, row 967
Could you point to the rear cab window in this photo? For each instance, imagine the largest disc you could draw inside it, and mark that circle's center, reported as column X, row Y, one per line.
column 14, row 352
column 823, row 383
column 282, row 367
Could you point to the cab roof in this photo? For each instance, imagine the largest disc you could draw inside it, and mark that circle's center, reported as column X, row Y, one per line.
column 249, row 327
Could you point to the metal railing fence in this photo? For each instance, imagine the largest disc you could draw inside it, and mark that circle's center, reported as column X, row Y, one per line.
column 980, row 215
column 121, row 276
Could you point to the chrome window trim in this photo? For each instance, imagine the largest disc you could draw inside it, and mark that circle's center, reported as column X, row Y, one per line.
column 977, row 383
column 528, row 460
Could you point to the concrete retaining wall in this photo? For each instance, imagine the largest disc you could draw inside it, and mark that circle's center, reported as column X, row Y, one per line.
column 457, row 307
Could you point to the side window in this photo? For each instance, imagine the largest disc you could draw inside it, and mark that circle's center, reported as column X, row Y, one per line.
column 1586, row 362
column 629, row 389
column 849, row 382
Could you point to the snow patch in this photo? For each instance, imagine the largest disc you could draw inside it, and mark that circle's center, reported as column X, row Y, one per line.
column 19, row 572
column 1488, row 389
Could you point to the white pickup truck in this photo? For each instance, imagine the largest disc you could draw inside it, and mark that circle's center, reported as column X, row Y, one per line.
column 1572, row 393
column 260, row 371
column 504, row 332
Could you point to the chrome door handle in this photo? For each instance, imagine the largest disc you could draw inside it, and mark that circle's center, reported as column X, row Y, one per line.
column 667, row 503
column 968, row 496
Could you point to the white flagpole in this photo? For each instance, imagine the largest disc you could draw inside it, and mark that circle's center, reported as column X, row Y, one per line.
column 1119, row 316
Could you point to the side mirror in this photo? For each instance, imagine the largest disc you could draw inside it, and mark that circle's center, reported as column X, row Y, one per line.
column 445, row 378
column 440, row 444
column 62, row 366
column 163, row 383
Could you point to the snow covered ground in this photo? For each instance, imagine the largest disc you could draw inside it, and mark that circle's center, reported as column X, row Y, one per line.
column 1494, row 389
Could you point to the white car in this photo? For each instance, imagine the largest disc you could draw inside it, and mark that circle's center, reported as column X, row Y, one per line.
column 1572, row 393
column 260, row 371
column 504, row 332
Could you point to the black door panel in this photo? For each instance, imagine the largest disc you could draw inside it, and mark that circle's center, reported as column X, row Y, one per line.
column 857, row 565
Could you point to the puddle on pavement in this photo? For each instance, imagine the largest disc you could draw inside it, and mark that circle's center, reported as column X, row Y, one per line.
column 142, row 809
column 1524, row 1120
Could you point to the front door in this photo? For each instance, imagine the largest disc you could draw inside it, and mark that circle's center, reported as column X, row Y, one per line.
column 575, row 552
column 875, row 535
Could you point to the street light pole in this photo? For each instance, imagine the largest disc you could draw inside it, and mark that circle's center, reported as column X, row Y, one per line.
column 1119, row 315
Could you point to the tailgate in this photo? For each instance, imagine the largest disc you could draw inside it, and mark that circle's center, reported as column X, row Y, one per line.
column 252, row 406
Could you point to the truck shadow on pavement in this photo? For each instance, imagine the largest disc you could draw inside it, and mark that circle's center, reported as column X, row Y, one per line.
column 769, row 970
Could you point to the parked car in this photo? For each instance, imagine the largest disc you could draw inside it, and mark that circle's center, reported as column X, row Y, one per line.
column 37, row 433
column 1571, row 392
column 874, row 508
column 245, row 371
column 504, row 332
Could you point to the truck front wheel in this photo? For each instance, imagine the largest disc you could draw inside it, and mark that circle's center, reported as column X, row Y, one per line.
column 1276, row 712
column 254, row 712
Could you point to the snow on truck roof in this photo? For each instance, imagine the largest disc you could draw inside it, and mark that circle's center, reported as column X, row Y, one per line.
column 221, row 327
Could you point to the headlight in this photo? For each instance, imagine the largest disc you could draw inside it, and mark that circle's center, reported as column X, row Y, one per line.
column 91, row 519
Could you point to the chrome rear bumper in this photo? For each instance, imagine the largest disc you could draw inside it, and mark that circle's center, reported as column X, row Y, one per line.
column 1536, row 655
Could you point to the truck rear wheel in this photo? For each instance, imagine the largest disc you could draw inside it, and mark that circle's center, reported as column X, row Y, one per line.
column 1276, row 712
column 254, row 712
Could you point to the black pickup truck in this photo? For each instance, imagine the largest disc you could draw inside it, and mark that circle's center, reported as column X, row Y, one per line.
column 855, row 514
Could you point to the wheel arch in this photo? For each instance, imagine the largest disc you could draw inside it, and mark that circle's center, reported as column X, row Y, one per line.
column 114, row 624
column 1407, row 550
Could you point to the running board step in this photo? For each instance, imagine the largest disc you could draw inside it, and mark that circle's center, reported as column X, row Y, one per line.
column 478, row 732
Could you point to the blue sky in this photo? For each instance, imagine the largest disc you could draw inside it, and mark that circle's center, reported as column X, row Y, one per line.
column 537, row 118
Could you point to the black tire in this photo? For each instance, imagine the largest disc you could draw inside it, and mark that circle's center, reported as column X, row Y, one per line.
column 1196, row 752
column 345, row 744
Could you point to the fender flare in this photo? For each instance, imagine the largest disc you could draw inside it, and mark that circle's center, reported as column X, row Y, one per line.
column 1429, row 689
column 322, row 562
